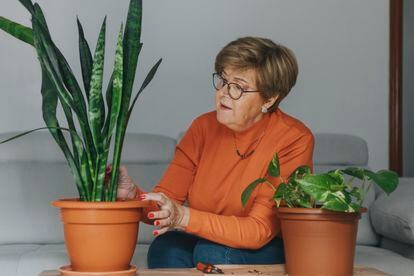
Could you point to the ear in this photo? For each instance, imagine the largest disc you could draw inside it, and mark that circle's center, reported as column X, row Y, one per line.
column 269, row 102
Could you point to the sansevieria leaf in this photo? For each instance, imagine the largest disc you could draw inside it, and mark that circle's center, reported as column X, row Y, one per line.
column 27, row 4
column 85, row 58
column 17, row 30
column 64, row 77
column 95, row 94
column 115, row 105
column 88, row 156
column 147, row 80
column 131, row 48
column 50, row 95
column 116, row 91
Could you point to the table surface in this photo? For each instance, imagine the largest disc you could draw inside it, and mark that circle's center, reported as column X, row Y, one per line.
column 276, row 270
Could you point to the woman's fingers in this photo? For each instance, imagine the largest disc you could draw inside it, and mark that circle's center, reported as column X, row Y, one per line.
column 163, row 223
column 160, row 231
column 168, row 217
column 159, row 214
column 160, row 198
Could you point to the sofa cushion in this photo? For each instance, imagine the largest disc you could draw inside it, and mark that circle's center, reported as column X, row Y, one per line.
column 340, row 149
column 38, row 174
column 405, row 249
column 28, row 188
column 393, row 216
column 41, row 147
column 384, row 260
column 10, row 256
column 31, row 259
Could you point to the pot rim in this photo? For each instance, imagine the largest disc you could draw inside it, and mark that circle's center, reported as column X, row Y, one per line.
column 120, row 204
column 288, row 210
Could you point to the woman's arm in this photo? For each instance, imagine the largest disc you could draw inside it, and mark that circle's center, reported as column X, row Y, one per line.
column 180, row 173
column 261, row 224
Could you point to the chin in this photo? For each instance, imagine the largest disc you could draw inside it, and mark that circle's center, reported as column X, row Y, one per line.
column 223, row 118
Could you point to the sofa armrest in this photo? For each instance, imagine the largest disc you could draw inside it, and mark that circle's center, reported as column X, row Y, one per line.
column 393, row 216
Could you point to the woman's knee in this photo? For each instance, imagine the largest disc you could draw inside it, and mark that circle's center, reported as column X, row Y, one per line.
column 171, row 250
column 209, row 252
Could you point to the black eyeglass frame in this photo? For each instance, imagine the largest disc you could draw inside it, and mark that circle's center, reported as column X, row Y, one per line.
column 226, row 83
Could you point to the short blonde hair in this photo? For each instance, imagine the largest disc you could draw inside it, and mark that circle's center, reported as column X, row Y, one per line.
column 275, row 65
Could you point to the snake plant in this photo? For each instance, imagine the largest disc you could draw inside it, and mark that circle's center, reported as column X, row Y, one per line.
column 93, row 123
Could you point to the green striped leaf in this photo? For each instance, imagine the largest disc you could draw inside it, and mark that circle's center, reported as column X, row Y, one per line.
column 95, row 94
column 147, row 80
column 85, row 59
column 66, row 108
column 28, row 5
column 17, row 30
column 50, row 67
column 131, row 48
column 116, row 91
column 109, row 108
column 131, row 44
column 86, row 176
column 64, row 73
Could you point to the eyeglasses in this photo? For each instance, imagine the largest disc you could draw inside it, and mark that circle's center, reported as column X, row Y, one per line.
column 234, row 90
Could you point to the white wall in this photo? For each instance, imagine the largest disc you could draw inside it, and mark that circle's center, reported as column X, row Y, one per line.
column 408, row 88
column 341, row 45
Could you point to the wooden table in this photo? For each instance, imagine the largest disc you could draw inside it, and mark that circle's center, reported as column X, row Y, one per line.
column 247, row 270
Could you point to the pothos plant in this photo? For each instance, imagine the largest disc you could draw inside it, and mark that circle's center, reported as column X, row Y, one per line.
column 92, row 122
column 330, row 190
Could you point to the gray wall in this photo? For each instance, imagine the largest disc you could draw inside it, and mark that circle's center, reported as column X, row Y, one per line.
column 341, row 45
column 408, row 88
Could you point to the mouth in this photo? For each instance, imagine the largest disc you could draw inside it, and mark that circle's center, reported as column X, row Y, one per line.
column 224, row 107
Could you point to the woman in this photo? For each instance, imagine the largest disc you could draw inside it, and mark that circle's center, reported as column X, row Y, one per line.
column 221, row 153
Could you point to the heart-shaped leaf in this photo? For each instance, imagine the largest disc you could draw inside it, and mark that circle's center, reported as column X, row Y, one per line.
column 274, row 167
column 248, row 191
column 317, row 186
column 387, row 180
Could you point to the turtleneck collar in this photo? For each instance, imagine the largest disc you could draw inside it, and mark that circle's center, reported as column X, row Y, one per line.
column 254, row 132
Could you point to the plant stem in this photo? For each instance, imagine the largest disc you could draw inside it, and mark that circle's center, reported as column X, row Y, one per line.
column 270, row 185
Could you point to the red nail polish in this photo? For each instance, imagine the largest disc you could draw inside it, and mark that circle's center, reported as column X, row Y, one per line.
column 156, row 223
column 155, row 233
column 150, row 215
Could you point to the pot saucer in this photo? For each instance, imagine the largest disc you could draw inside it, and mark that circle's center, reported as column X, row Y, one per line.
column 67, row 271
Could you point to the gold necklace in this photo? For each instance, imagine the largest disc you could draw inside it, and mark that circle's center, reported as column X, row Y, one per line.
column 247, row 154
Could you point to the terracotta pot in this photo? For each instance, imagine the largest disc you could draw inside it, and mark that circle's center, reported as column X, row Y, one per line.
column 100, row 236
column 318, row 242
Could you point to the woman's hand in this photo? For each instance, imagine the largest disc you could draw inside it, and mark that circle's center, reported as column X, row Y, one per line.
column 171, row 216
column 126, row 186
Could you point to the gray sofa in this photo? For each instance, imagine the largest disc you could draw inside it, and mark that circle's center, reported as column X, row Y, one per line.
column 34, row 173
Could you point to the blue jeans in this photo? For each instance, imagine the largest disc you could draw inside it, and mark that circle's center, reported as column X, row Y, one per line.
column 176, row 249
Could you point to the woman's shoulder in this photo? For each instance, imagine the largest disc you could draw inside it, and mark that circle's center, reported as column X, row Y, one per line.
column 205, row 124
column 206, row 120
column 291, row 124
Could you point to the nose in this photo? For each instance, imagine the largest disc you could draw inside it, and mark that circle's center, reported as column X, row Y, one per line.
column 224, row 91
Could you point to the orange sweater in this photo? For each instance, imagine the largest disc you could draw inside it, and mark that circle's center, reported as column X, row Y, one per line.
column 208, row 173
